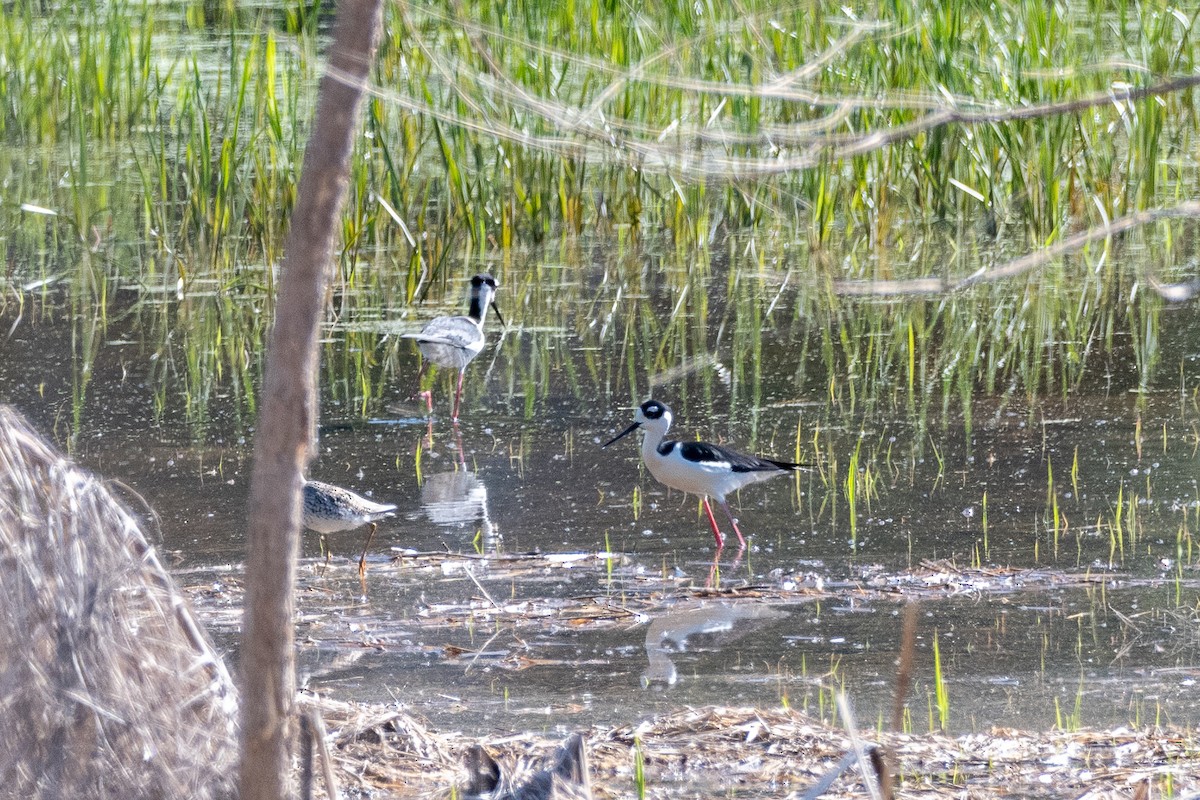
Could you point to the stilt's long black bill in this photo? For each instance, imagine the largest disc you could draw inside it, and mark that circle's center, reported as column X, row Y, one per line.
column 496, row 308
column 625, row 432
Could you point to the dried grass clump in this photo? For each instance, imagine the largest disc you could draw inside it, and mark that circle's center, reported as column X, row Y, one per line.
column 108, row 686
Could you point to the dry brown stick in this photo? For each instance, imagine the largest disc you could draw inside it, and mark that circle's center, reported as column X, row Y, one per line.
column 904, row 670
column 288, row 419
column 306, row 757
column 321, row 740
column 865, row 767
column 882, row 759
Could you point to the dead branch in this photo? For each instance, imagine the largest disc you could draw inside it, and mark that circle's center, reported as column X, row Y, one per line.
column 1029, row 261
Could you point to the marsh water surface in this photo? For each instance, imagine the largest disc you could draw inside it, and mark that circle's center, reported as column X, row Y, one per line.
column 533, row 579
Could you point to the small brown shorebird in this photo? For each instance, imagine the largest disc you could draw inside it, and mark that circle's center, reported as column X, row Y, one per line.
column 332, row 509
column 454, row 342
column 699, row 468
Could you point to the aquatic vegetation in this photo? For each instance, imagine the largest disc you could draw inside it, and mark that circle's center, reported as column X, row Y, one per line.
column 940, row 701
column 741, row 167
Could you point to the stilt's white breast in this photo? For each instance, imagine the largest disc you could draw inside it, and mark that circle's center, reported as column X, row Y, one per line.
column 713, row 478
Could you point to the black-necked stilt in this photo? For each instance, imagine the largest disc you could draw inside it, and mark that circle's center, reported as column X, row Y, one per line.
column 331, row 509
column 698, row 468
column 455, row 341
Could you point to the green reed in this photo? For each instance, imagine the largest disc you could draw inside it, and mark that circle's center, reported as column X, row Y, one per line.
column 639, row 768
column 621, row 182
column 485, row 95
column 941, row 695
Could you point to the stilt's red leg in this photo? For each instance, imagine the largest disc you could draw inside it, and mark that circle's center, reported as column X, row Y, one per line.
column 716, row 531
column 462, row 458
column 426, row 395
column 714, row 572
column 732, row 522
column 458, row 394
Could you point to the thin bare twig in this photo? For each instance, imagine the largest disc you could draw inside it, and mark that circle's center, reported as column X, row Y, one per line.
column 698, row 148
column 1027, row 262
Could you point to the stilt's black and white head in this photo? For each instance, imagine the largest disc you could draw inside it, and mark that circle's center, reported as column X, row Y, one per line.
column 653, row 416
column 483, row 294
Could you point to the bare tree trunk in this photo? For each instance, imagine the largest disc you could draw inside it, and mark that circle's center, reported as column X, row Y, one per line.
column 289, row 409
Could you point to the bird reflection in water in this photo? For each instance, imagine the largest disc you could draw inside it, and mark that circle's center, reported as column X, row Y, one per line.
column 721, row 624
column 457, row 498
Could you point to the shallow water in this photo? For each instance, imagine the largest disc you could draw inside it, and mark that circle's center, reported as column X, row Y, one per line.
column 1066, row 623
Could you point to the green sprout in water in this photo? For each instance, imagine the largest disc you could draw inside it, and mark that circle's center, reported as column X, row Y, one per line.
column 941, row 694
column 639, row 768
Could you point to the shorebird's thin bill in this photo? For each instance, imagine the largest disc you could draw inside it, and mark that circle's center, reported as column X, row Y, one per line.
column 625, row 432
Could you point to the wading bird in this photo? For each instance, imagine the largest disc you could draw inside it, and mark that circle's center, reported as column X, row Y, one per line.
column 699, row 468
column 332, row 509
column 455, row 341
